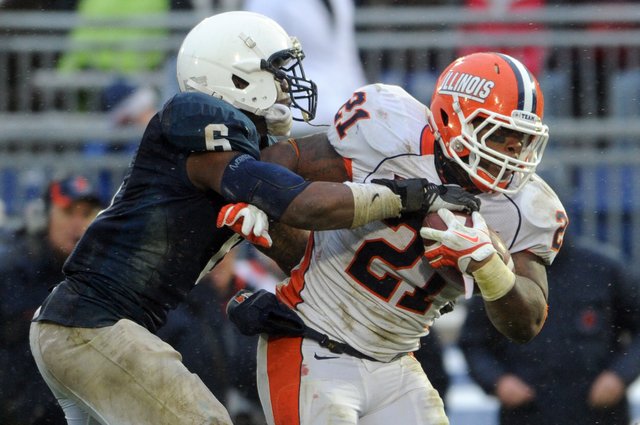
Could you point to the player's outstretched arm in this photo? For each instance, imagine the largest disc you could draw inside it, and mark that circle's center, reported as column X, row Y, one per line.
column 313, row 158
column 273, row 189
column 290, row 199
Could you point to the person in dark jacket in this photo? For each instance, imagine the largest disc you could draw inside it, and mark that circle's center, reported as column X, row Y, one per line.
column 578, row 369
column 30, row 266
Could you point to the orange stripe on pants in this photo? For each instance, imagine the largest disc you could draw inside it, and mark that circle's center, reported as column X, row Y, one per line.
column 284, row 368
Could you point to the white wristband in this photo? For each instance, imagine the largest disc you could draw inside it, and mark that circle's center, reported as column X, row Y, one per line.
column 373, row 202
column 494, row 279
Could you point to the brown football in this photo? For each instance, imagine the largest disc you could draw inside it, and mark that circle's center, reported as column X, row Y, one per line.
column 501, row 247
column 433, row 221
column 452, row 274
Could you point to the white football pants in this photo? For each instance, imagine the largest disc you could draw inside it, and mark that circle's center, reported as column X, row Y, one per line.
column 302, row 383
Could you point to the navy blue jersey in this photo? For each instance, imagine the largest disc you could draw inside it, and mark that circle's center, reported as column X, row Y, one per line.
column 145, row 252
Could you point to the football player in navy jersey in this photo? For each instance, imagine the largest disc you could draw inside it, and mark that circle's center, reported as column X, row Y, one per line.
column 240, row 76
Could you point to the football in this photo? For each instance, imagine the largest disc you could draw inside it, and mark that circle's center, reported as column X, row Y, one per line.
column 433, row 221
column 452, row 274
column 501, row 247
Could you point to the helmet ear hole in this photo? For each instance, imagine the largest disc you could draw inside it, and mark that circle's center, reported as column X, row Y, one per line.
column 444, row 116
column 239, row 83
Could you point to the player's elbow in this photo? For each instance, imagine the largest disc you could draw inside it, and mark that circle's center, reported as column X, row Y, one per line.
column 525, row 332
column 523, row 337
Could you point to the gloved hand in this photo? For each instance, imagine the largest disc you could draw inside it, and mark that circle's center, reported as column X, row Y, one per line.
column 248, row 221
column 419, row 195
column 459, row 244
column 261, row 312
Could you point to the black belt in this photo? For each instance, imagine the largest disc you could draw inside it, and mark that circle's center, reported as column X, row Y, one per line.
column 335, row 346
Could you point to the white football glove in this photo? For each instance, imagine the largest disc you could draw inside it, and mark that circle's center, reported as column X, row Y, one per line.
column 459, row 244
column 247, row 220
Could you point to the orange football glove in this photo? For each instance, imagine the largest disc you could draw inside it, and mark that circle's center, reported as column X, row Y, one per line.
column 458, row 245
column 248, row 221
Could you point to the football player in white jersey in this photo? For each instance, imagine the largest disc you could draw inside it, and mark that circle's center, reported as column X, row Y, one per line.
column 372, row 292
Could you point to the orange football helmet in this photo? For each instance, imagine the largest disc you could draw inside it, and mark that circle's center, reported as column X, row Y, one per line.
column 481, row 98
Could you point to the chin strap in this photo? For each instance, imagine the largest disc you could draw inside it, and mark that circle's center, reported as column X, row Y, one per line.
column 450, row 173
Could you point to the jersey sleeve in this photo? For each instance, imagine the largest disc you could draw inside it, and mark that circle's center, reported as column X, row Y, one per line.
column 195, row 122
column 377, row 123
column 544, row 221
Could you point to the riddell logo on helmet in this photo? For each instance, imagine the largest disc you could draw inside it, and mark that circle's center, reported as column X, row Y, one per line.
column 466, row 85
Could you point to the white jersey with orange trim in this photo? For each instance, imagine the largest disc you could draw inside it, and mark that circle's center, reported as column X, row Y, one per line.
column 371, row 287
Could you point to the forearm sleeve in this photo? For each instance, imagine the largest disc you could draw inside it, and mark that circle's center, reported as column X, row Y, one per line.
column 269, row 187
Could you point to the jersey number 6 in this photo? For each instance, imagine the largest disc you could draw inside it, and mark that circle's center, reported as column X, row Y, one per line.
column 214, row 137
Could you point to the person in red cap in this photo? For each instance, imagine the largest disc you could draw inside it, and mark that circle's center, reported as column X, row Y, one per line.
column 72, row 205
column 31, row 266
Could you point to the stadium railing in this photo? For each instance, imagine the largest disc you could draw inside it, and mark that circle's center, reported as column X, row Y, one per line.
column 589, row 66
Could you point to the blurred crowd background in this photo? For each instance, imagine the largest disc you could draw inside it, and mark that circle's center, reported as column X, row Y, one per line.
column 79, row 79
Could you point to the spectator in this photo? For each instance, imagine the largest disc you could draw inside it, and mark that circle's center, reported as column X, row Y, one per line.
column 129, row 104
column 326, row 30
column 110, row 49
column 577, row 370
column 126, row 105
column 31, row 265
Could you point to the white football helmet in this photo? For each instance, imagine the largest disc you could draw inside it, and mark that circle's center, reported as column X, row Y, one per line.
column 246, row 59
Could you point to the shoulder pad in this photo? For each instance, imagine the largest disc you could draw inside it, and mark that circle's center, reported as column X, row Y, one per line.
column 378, row 122
column 536, row 220
column 196, row 122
